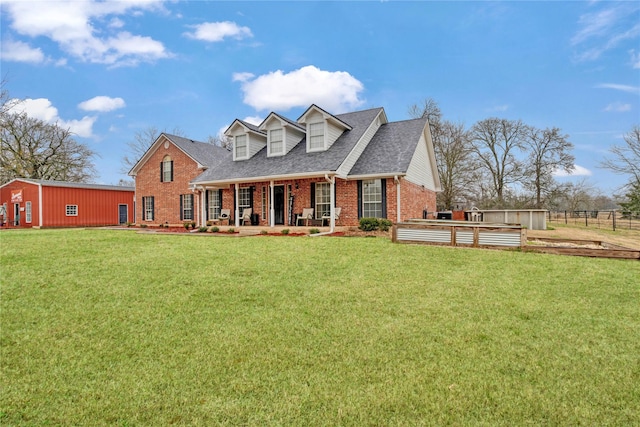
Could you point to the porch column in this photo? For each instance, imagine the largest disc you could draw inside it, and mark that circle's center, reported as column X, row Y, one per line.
column 272, row 211
column 237, row 213
column 203, row 208
column 332, row 212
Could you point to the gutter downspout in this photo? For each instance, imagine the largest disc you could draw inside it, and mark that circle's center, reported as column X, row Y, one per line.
column 398, row 209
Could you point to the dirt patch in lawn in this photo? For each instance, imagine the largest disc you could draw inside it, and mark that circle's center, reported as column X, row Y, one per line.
column 627, row 238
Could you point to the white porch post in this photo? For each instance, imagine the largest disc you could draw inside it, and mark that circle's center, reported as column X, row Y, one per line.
column 203, row 208
column 272, row 212
column 332, row 185
column 237, row 213
column 398, row 210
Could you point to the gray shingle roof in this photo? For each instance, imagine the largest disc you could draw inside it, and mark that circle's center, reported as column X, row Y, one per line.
column 202, row 152
column 297, row 161
column 391, row 148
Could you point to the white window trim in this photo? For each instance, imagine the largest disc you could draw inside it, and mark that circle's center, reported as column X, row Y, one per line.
column 235, row 147
column 187, row 199
column 271, row 153
column 369, row 203
column 71, row 208
column 319, row 202
column 167, row 169
column 27, row 212
column 214, row 208
column 324, row 137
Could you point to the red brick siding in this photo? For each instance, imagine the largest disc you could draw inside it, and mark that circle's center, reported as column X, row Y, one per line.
column 166, row 194
column 413, row 199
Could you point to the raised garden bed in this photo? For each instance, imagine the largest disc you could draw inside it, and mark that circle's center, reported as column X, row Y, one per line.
column 587, row 248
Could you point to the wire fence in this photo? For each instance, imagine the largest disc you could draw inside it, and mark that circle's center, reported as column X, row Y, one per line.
column 609, row 220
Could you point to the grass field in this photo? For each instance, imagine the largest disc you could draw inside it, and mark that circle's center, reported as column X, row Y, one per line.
column 103, row 327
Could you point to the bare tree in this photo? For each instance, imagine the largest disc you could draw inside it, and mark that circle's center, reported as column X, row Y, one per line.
column 142, row 140
column 496, row 143
column 221, row 141
column 454, row 155
column 548, row 150
column 32, row 148
column 626, row 158
column 457, row 167
column 578, row 196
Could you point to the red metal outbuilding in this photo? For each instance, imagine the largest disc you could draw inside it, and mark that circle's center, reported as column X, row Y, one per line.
column 39, row 203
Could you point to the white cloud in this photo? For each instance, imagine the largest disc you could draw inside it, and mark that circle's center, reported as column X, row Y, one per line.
column 577, row 171
column 254, row 120
column 21, row 52
column 635, row 59
column 102, row 104
column 604, row 30
column 336, row 91
column 75, row 27
column 42, row 109
column 217, row 31
column 242, row 77
column 618, row 107
column 624, row 88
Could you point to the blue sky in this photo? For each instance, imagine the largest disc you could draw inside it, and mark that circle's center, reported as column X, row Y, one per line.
column 110, row 69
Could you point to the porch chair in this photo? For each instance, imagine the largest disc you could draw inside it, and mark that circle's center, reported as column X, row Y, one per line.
column 307, row 214
column 327, row 216
column 225, row 215
column 246, row 216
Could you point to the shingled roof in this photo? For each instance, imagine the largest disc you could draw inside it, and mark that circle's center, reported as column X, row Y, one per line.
column 391, row 149
column 297, row 161
column 204, row 153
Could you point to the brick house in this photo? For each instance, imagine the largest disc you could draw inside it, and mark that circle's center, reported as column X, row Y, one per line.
column 359, row 162
column 163, row 175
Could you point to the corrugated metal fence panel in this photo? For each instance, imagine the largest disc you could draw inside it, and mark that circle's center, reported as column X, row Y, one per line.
column 464, row 237
column 422, row 235
column 487, row 238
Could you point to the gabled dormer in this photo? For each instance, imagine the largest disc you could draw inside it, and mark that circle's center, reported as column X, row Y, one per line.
column 247, row 139
column 282, row 134
column 322, row 128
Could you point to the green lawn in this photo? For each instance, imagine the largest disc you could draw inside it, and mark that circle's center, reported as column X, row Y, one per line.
column 102, row 327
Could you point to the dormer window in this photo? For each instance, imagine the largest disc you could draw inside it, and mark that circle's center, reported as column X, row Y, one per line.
column 240, row 146
column 316, row 136
column 276, row 143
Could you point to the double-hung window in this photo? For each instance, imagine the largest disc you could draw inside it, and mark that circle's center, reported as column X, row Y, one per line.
column 372, row 198
column 213, row 197
column 276, row 145
column 241, row 146
column 244, row 199
column 316, row 136
column 147, row 208
column 186, row 207
column 166, row 169
column 323, row 199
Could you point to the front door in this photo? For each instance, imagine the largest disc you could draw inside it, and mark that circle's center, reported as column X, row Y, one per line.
column 278, row 204
column 123, row 214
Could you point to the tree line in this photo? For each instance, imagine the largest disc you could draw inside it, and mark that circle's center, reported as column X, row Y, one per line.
column 506, row 164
